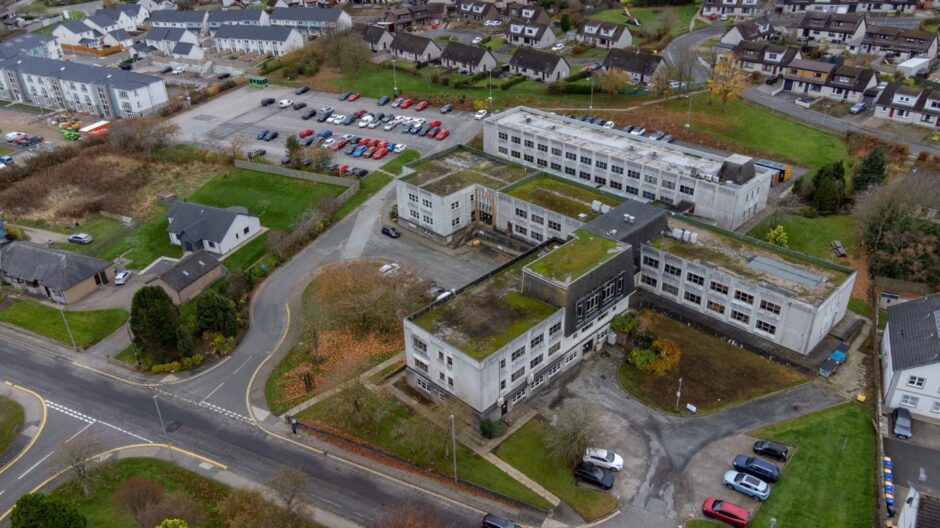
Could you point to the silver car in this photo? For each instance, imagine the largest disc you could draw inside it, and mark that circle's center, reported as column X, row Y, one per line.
column 80, row 238
column 751, row 486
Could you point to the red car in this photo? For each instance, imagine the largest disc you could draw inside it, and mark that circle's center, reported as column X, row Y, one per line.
column 727, row 512
column 353, row 97
column 435, row 124
column 340, row 170
column 306, row 132
column 379, row 154
column 406, row 103
column 369, row 151
column 442, row 134
column 362, row 141
column 359, row 113
column 382, row 144
column 339, row 144
column 421, row 106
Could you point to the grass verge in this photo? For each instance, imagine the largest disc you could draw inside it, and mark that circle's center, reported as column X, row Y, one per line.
column 142, row 244
column 860, row 306
column 368, row 186
column 88, row 327
column 524, row 451
column 248, row 254
column 813, row 236
column 835, row 445
column 395, row 166
column 11, row 421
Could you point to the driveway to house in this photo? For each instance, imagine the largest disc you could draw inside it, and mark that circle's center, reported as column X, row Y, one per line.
column 657, row 488
column 688, row 42
column 916, row 460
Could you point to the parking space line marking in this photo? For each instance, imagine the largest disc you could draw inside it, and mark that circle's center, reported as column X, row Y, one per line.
column 41, row 460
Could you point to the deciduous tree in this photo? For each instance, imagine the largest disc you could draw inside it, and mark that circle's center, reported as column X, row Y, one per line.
column 36, row 510
column 613, row 80
column 289, row 483
column 571, row 432
column 137, row 492
column 77, row 455
column 777, row 236
column 727, row 81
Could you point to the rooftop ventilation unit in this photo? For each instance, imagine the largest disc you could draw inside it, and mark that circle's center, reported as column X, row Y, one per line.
column 629, row 218
column 596, row 206
column 605, row 208
column 582, row 217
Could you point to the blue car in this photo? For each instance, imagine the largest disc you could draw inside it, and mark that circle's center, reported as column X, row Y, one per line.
column 6, row 160
column 261, row 135
column 325, row 134
column 390, row 147
column 358, row 152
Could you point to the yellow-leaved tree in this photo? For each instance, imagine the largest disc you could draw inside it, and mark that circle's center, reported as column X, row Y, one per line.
column 727, row 81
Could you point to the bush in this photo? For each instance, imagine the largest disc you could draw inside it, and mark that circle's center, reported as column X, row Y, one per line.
column 215, row 313
column 642, row 357
column 192, row 362
column 492, row 429
column 164, row 368
column 512, row 82
column 37, row 510
column 175, row 506
column 218, row 343
column 137, row 492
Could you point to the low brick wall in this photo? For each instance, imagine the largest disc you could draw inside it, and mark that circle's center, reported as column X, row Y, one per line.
column 293, row 173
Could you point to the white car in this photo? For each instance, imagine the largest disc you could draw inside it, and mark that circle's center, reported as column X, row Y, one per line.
column 365, row 121
column 610, row 124
column 476, row 40
column 604, row 459
column 374, row 124
column 388, row 269
column 399, row 148
column 12, row 136
column 480, row 114
column 121, row 278
column 284, row 103
column 418, row 121
column 328, row 143
column 391, row 125
column 558, row 47
column 347, row 137
column 80, row 238
column 178, row 70
column 493, row 22
column 336, row 119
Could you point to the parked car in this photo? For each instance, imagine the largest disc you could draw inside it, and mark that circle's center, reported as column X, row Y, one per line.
column 656, row 136
column 480, row 114
column 299, row 105
column 345, row 95
column 609, row 124
column 434, row 123
column 353, row 96
column 858, row 108
column 840, row 354
column 758, row 467
column 397, row 102
column 726, row 512
column 267, row 101
column 81, row 238
column 380, row 153
column 357, row 172
column 178, row 70
column 391, row 125
column 828, row 368
column 309, row 113
column 558, row 47
column 351, row 148
column 6, row 160
column 366, row 121
column 426, row 130
column 901, row 424
column 476, row 40
column 323, row 117
column 604, row 459
column 255, row 153
column 749, row 485
column 400, row 147
column 384, row 100
column 121, row 277
column 126, row 66
column 13, row 136
column 307, row 141
column 668, row 138
column 447, row 108
column 772, row 450
column 772, row 80
column 492, row 521
column 263, row 134
column 166, row 69
column 442, row 135
column 223, row 75
column 329, row 143
column 285, row 160
column 359, row 151
column 302, row 90
column 406, row 103
column 588, row 472
column 638, row 131
column 388, row 269
column 421, row 106
column 284, row 103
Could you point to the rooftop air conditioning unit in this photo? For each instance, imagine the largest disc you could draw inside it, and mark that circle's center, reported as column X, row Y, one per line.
column 596, row 206
column 677, row 233
column 605, row 208
column 582, row 217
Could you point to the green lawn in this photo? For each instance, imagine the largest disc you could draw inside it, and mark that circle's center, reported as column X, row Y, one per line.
column 5, row 150
column 279, row 201
column 751, row 126
column 814, row 236
column 882, row 319
column 703, row 523
column 142, row 244
column 651, row 18
column 368, row 186
column 860, row 306
column 395, row 165
column 470, row 466
column 128, row 355
column 102, row 511
column 102, row 229
column 524, row 451
column 248, row 254
column 837, row 447
column 88, row 327
column 11, row 421
column 73, row 15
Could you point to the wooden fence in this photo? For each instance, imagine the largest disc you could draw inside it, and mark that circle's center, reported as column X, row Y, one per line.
column 299, row 174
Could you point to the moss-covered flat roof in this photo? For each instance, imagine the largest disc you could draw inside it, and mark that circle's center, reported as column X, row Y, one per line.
column 576, row 257
column 485, row 317
column 802, row 276
column 564, row 197
column 454, row 170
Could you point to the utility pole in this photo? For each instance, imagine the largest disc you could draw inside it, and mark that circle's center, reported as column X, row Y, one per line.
column 136, row 352
column 490, row 98
column 591, row 104
column 453, row 442
column 678, row 393
column 65, row 320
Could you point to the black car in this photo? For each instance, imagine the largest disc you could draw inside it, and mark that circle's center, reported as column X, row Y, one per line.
column 299, row 104
column 267, row 101
column 271, row 135
column 307, row 141
column 492, row 521
column 424, row 131
column 223, row 76
column 308, row 114
column 384, row 100
column 349, row 120
column 166, row 69
column 263, row 134
column 357, row 172
column 447, row 108
column 772, row 450
column 345, row 95
column 285, row 160
column 126, row 66
column 772, row 80
column 588, row 472
column 324, row 116
column 390, row 231
column 302, row 90
column 32, row 140
column 757, row 467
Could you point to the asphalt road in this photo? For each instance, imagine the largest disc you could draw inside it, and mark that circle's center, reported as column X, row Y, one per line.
column 914, row 465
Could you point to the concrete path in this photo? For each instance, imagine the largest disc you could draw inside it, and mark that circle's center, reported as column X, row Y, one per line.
column 42, row 236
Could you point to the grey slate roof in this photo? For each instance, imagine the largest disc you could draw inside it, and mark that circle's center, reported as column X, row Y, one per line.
column 913, row 328
column 143, row 49
column 189, row 269
column 272, row 33
column 182, row 48
column 101, row 20
column 410, row 43
column 78, row 72
column 22, row 43
column 463, row 53
column 194, row 222
column 372, row 34
column 171, row 34
column 532, row 59
column 56, row 268
column 171, row 16
column 235, row 15
column 76, row 26
column 120, row 34
column 633, row 61
column 751, row 29
column 306, row 14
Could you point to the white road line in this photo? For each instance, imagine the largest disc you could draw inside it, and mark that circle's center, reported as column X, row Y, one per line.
column 89, row 420
column 2, row 492
column 213, row 392
column 923, row 475
column 41, row 460
column 243, row 364
column 80, row 431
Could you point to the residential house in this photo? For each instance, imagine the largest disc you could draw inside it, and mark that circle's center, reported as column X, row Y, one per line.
column 827, row 80
column 78, row 33
column 904, row 7
column 539, row 65
column 763, row 57
column 533, row 35
column 910, row 357
column 818, row 28
column 377, row 38
column 32, row 44
column 272, row 4
column 604, row 34
column 478, row 10
column 174, row 42
column 76, row 87
column 731, row 8
column 195, row 21
column 137, row 14
column 471, row 59
column 157, row 5
column 263, row 40
column 414, row 48
column 403, row 18
column 848, row 83
column 59, row 275
column 118, row 37
column 311, row 21
column 807, row 76
column 897, row 44
column 530, row 14
column 197, row 227
column 108, row 20
column 909, row 104
column 847, row 6
column 237, row 17
column 187, row 278
column 752, row 30
column 641, row 66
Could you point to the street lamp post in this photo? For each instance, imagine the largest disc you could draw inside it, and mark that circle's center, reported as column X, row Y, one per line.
column 136, row 353
column 591, row 104
column 688, row 118
column 678, row 393
column 58, row 302
column 490, row 98
column 394, row 78
column 453, row 442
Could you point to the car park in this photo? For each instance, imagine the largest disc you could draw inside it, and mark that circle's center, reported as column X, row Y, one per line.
column 757, row 467
column 299, row 105
column 301, row 90
column 587, row 472
column 603, row 458
column 493, row 521
column 749, row 485
column 80, row 238
column 447, row 108
column 284, row 103
column 480, row 114
column 772, row 450
column 726, row 512
column 267, row 101
column 901, row 424
column 121, row 277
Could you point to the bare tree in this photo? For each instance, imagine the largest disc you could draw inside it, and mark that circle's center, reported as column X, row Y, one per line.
column 289, row 483
column 142, row 134
column 571, row 432
column 683, row 66
column 234, row 146
column 77, row 454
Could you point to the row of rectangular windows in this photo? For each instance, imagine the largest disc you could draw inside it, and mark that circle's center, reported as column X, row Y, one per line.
column 723, row 289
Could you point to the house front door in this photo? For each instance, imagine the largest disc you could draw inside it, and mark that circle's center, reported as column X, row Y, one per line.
column 188, row 246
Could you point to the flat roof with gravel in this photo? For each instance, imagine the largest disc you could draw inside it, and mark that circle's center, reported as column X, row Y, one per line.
column 564, row 197
column 454, row 170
